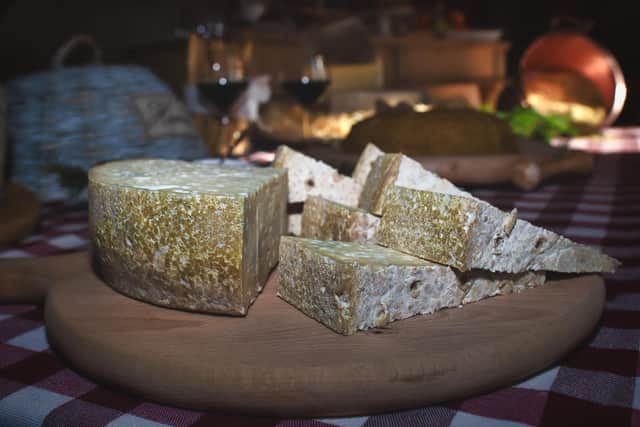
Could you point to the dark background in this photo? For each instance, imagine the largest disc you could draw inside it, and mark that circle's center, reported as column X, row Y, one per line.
column 143, row 32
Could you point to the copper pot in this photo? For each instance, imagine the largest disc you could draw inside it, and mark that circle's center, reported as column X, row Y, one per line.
column 597, row 77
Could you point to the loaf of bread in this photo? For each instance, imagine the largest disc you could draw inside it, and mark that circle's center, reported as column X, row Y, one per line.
column 323, row 219
column 186, row 235
column 310, row 177
column 349, row 287
column 365, row 162
column 434, row 133
column 397, row 169
column 467, row 233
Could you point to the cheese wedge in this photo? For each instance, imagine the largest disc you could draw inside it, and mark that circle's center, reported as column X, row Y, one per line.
column 186, row 235
column 480, row 284
column 295, row 224
column 311, row 177
column 397, row 169
column 323, row 219
column 365, row 162
column 468, row 233
column 349, row 287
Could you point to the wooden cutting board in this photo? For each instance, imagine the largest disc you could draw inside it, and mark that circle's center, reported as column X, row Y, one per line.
column 19, row 213
column 277, row 361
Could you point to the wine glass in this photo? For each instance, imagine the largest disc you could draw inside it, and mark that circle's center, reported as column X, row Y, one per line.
column 224, row 84
column 308, row 88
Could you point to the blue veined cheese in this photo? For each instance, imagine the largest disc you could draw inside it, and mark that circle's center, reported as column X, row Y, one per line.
column 186, row 235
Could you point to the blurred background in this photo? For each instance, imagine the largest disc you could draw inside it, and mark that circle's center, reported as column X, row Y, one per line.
column 145, row 32
column 324, row 76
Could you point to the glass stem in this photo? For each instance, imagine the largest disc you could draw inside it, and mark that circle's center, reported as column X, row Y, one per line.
column 225, row 149
column 306, row 126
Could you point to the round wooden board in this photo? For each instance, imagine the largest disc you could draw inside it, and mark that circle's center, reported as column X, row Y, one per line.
column 19, row 213
column 277, row 361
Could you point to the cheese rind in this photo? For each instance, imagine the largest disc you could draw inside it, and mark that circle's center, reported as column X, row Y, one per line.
column 311, row 177
column 323, row 219
column 467, row 233
column 400, row 170
column 184, row 235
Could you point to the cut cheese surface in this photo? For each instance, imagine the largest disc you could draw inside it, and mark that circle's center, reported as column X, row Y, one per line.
column 365, row 162
column 348, row 287
column 183, row 177
column 311, row 177
column 396, row 169
column 323, row 219
column 353, row 252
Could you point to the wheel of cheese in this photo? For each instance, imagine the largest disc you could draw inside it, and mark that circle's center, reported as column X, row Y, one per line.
column 186, row 235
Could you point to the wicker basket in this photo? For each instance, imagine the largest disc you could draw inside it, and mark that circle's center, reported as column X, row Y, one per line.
column 63, row 121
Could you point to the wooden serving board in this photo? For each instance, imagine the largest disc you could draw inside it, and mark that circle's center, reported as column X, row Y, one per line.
column 277, row 361
column 19, row 213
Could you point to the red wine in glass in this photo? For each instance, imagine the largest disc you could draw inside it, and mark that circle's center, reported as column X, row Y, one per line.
column 305, row 90
column 222, row 93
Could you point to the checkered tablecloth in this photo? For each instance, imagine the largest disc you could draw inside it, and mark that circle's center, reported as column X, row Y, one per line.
column 597, row 384
column 609, row 140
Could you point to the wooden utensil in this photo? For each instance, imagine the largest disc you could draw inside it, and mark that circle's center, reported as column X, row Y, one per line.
column 524, row 171
column 278, row 361
column 528, row 174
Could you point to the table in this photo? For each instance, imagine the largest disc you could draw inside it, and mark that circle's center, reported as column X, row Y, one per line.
column 597, row 384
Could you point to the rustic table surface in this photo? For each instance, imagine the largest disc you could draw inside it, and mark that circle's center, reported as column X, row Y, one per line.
column 597, row 384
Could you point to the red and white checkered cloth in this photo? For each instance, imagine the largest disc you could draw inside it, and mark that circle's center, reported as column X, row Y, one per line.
column 609, row 140
column 597, row 384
